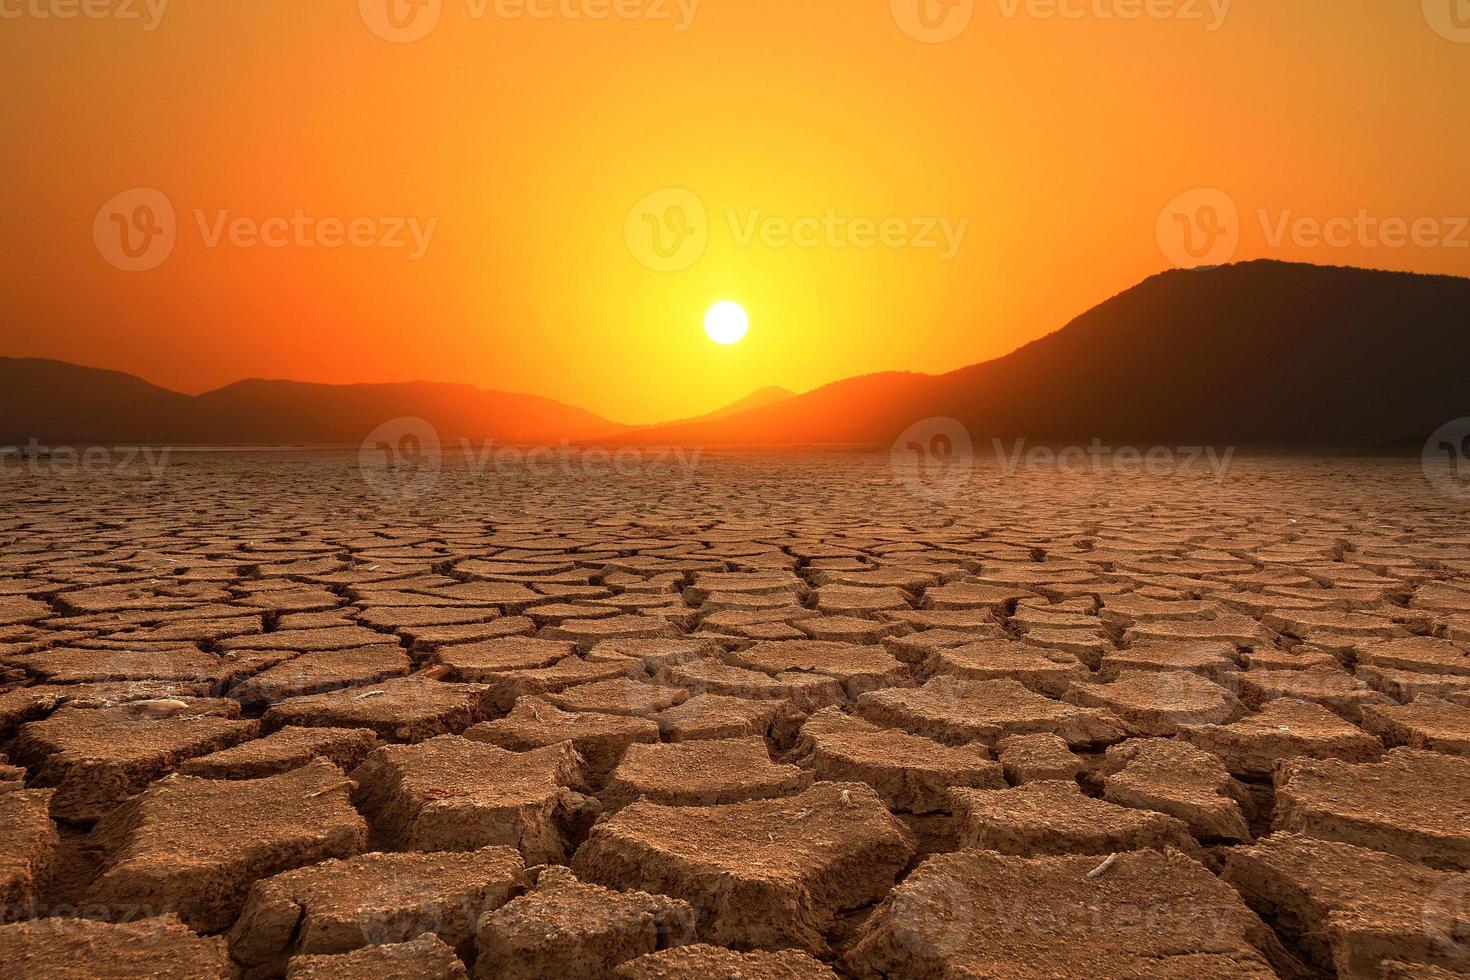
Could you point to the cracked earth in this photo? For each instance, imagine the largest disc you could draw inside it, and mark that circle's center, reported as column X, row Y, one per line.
column 788, row 718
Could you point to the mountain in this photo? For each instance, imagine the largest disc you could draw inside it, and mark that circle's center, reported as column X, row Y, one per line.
column 57, row 403
column 290, row 411
column 54, row 402
column 760, row 398
column 1265, row 354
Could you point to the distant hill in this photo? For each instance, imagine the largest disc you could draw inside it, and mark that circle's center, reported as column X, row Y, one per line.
column 57, row 403
column 760, row 398
column 1265, row 354
column 1262, row 354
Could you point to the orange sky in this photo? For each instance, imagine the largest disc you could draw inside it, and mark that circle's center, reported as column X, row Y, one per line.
column 527, row 140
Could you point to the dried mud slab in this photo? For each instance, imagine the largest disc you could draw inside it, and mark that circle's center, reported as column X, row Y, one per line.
column 1037, row 758
column 1414, row 804
column 195, row 846
column 568, row 928
column 1419, row 654
column 1330, row 687
column 723, row 716
column 24, row 704
column 392, row 618
column 655, row 655
column 372, row 900
column 957, row 596
column 306, row 640
column 587, row 633
column 1159, row 702
column 702, row 962
column 1349, row 909
column 859, row 600
column 809, row 692
column 1044, row 671
column 287, row 749
column 1399, row 970
column 848, row 629
column 601, row 739
column 910, row 773
column 424, row 641
column 505, row 687
column 703, row 772
column 958, row 712
column 1178, row 779
column 11, row 777
column 98, row 757
column 1405, row 686
column 764, row 874
column 475, row 663
column 1283, row 729
column 1123, row 611
column 80, row 949
column 454, row 794
column 975, row 913
column 917, row 648
column 407, row 709
column 424, row 958
column 1056, row 818
column 858, row 668
column 1242, row 631
column 78, row 666
column 322, row 671
column 1428, row 723
column 28, row 842
column 620, row 696
column 1215, row 660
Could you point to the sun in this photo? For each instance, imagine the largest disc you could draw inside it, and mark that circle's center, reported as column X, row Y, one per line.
column 726, row 323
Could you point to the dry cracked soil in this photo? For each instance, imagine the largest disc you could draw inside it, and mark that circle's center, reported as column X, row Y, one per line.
column 781, row 717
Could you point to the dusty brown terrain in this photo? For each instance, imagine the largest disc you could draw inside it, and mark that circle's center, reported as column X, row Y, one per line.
column 792, row 717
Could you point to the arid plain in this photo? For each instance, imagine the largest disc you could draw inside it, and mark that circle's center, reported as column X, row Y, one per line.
column 733, row 716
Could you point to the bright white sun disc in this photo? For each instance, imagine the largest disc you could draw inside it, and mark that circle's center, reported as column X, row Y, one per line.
column 726, row 323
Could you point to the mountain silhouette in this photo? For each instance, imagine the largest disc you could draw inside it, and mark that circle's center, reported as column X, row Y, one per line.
column 1265, row 354
column 760, row 398
column 57, row 403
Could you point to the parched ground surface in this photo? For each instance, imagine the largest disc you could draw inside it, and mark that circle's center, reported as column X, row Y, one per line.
column 777, row 717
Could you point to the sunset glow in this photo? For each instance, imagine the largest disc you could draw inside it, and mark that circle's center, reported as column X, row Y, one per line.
column 548, row 203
